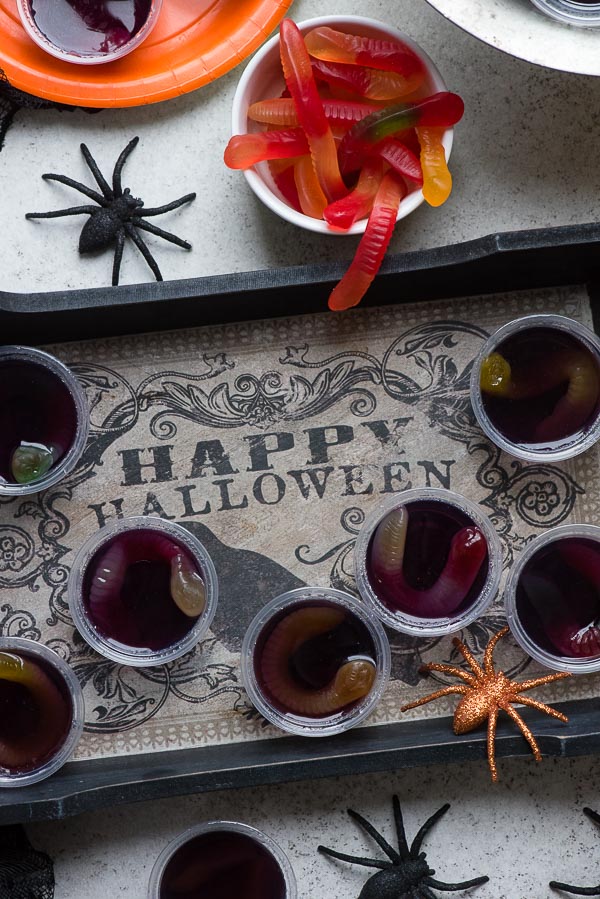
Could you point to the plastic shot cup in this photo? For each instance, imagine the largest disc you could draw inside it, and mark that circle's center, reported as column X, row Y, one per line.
column 219, row 844
column 584, row 13
column 43, row 709
column 64, row 32
column 41, row 401
column 146, row 547
column 551, row 599
column 435, row 517
column 519, row 423
column 320, row 632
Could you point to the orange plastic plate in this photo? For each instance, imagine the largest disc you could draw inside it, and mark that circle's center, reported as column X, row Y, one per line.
column 194, row 42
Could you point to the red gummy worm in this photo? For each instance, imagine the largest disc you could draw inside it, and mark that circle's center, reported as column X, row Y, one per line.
column 299, row 79
column 359, row 202
column 371, row 249
column 337, row 46
column 369, row 83
column 285, row 182
column 441, row 109
column 401, row 159
column 245, row 150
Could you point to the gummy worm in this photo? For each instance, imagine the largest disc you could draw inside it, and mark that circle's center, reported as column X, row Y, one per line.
column 282, row 113
column 437, row 180
column 371, row 249
column 576, row 367
column 25, row 750
column 401, row 159
column 310, row 194
column 468, row 551
column 441, row 109
column 359, row 202
column 245, row 150
column 568, row 628
column 368, row 83
column 337, row 46
column 353, row 680
column 187, row 588
column 300, row 82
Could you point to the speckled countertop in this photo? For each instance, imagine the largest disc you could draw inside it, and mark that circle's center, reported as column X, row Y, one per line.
column 525, row 156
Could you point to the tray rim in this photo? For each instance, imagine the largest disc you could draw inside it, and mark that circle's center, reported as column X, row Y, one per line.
column 513, row 260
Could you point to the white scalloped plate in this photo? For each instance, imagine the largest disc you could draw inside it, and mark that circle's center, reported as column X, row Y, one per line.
column 519, row 28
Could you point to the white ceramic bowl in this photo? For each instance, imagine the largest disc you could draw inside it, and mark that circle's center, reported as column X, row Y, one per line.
column 263, row 78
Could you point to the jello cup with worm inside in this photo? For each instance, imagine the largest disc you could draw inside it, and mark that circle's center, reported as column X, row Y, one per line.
column 44, row 421
column 222, row 859
column 315, row 661
column 535, row 388
column 143, row 591
column 42, row 712
column 427, row 561
column 553, row 599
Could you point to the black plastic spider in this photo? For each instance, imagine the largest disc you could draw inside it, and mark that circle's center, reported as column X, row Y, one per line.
column 580, row 891
column 407, row 875
column 117, row 216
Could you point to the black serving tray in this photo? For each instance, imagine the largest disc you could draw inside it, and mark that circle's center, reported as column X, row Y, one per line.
column 502, row 262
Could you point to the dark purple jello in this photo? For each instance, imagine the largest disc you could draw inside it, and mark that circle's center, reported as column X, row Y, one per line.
column 558, row 598
column 431, row 528
column 90, row 27
column 301, row 656
column 553, row 392
column 36, row 712
column 222, row 865
column 128, row 590
column 38, row 420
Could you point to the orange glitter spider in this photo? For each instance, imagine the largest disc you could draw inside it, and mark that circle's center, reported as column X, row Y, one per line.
column 486, row 692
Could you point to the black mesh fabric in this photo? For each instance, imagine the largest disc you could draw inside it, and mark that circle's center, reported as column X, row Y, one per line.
column 25, row 873
column 12, row 100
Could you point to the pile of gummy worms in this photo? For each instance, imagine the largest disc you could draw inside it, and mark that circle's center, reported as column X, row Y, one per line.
column 343, row 158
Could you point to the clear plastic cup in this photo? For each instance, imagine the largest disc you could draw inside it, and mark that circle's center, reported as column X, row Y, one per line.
column 412, row 624
column 566, row 448
column 85, row 58
column 571, row 12
column 154, row 889
column 336, row 722
column 575, row 665
column 139, row 657
column 47, row 659
column 29, row 356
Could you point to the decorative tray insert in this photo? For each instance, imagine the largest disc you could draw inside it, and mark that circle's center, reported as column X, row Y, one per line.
column 270, row 440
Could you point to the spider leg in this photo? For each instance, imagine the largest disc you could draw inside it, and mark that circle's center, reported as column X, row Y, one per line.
column 524, row 729
column 354, row 860
column 132, row 233
column 166, row 235
column 538, row 682
column 76, row 185
column 488, row 663
column 100, row 179
column 116, row 178
column 168, row 207
column 576, row 891
column 400, row 831
column 470, row 658
column 424, row 830
column 381, row 841
column 57, row 213
column 118, row 257
column 451, row 669
column 424, row 892
column 455, row 887
column 542, row 707
column 491, row 742
column 445, row 692
column 592, row 815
